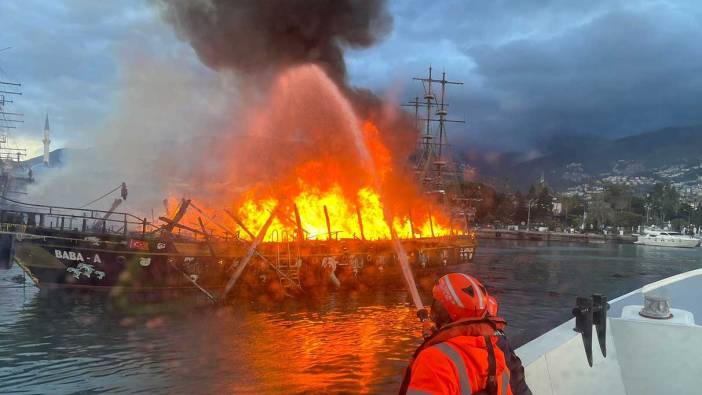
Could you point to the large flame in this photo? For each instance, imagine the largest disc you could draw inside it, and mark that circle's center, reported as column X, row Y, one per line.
column 312, row 157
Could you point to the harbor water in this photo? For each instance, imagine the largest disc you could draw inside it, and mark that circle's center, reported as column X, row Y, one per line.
column 339, row 343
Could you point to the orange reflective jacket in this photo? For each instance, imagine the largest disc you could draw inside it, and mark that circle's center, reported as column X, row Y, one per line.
column 463, row 358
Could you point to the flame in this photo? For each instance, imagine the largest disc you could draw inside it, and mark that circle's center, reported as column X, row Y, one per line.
column 344, row 167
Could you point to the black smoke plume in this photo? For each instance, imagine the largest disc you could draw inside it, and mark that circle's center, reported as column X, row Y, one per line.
column 255, row 36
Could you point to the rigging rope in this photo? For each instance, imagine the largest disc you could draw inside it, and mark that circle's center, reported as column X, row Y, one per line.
column 101, row 197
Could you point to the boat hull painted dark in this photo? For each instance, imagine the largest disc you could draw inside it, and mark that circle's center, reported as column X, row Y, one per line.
column 65, row 262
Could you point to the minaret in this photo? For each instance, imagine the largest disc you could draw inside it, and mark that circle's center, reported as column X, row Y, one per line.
column 46, row 140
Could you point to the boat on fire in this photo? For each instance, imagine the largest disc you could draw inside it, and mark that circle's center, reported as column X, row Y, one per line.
column 62, row 247
column 649, row 342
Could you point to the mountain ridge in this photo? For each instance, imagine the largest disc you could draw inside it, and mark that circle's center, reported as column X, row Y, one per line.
column 583, row 156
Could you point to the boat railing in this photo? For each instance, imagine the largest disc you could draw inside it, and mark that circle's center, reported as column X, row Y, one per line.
column 72, row 219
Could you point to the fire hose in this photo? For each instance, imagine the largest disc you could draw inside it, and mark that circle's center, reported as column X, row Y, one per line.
column 422, row 312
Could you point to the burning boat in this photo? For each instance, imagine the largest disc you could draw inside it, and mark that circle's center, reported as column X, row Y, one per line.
column 61, row 247
column 332, row 206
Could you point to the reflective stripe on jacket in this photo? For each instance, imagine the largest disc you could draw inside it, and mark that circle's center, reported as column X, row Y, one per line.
column 458, row 366
column 436, row 365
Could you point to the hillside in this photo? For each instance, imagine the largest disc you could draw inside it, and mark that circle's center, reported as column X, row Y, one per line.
column 571, row 160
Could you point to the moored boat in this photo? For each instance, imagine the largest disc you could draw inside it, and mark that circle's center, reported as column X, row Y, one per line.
column 664, row 238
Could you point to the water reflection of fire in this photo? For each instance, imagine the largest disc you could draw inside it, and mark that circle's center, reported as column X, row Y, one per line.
column 323, row 171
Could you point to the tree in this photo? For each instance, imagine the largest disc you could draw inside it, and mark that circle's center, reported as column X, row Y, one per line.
column 600, row 213
column 521, row 209
column 618, row 196
column 506, row 208
column 541, row 199
column 573, row 209
column 664, row 201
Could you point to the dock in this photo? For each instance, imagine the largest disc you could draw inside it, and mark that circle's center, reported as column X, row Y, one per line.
column 594, row 238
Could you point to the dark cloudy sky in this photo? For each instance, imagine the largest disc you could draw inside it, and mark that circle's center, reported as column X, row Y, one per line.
column 531, row 69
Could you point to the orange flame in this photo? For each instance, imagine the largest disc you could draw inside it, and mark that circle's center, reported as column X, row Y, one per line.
column 344, row 167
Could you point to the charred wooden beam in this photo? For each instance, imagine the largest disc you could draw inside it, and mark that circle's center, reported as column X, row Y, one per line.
column 170, row 223
column 194, row 283
column 240, row 223
column 207, row 238
column 178, row 215
column 249, row 254
column 211, row 220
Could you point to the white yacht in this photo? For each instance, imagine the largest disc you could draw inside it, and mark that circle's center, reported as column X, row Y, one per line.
column 664, row 238
column 645, row 342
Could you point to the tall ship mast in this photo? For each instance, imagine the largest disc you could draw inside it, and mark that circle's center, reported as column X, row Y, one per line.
column 434, row 167
column 14, row 173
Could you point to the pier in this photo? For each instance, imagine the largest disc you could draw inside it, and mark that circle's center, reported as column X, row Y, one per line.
column 594, row 238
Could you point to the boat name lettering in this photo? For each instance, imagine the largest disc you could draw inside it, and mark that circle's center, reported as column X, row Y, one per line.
column 75, row 256
column 70, row 255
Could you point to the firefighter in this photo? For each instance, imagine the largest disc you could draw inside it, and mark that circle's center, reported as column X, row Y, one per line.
column 468, row 353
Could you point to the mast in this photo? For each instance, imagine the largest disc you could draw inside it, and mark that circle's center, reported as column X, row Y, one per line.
column 13, row 173
column 8, row 119
column 433, row 163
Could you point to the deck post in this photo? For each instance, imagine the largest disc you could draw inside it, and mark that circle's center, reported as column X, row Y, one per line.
column 326, row 216
column 360, row 222
column 411, row 223
column 431, row 224
column 298, row 222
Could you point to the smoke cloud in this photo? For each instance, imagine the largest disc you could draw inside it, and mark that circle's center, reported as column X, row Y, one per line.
column 181, row 130
column 156, row 139
column 264, row 36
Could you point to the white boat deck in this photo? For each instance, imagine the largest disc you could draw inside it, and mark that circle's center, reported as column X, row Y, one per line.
column 644, row 356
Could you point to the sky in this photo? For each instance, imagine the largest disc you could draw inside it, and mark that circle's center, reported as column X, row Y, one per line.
column 531, row 69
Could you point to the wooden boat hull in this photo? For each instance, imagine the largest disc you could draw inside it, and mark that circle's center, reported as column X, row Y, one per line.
column 61, row 261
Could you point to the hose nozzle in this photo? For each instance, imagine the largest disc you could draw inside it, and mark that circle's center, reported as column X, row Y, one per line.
column 423, row 314
column 428, row 326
